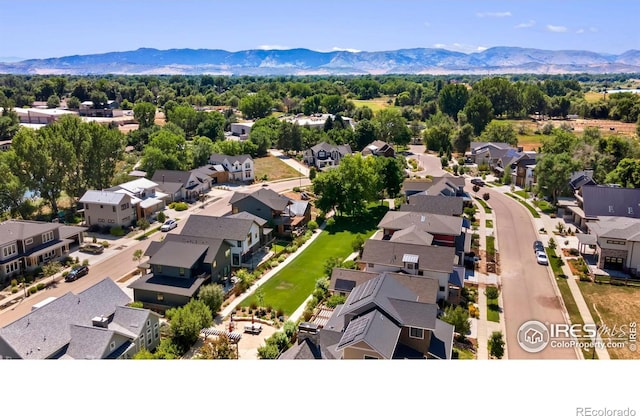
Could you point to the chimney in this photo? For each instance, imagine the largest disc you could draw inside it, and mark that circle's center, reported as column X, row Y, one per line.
column 100, row 322
column 307, row 330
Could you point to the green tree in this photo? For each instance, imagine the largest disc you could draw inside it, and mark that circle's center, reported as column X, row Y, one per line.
column 479, row 112
column 496, row 345
column 392, row 127
column 143, row 223
column 256, row 105
column 219, row 348
column 137, row 255
column 492, row 292
column 626, row 174
column 502, row 93
column 452, row 99
column 213, row 296
column 51, row 268
column 99, row 99
column 553, row 172
column 185, row 117
column 365, row 133
column 187, row 322
column 211, row 125
column 73, row 103
column 144, row 354
column 145, row 114
column 458, row 317
column 462, row 138
column 500, row 132
column 166, row 150
column 330, row 264
column 53, row 101
column 12, row 189
column 201, row 148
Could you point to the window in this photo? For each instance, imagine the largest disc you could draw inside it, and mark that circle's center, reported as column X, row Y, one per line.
column 47, row 256
column 236, row 259
column 239, row 243
column 416, row 333
column 410, row 266
column 124, row 206
column 181, row 271
column 28, row 241
column 160, row 297
column 247, row 174
column 10, row 250
column 441, row 288
column 149, row 340
column 158, row 268
column 148, row 324
column 616, row 242
column 111, row 221
column 113, row 208
column 11, row 267
column 369, row 264
column 100, row 219
column 46, row 237
column 630, row 210
column 101, row 206
column 369, row 357
column 126, row 219
column 610, row 208
column 247, row 165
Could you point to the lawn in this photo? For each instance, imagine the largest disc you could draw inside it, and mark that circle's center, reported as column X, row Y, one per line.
column 544, row 206
column 613, row 305
column 289, row 288
column 531, row 209
column 522, row 193
column 486, row 207
column 463, row 354
column 375, row 104
column 274, row 168
column 489, row 224
column 493, row 310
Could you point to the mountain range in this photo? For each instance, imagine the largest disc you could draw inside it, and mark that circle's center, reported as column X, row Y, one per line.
column 498, row 60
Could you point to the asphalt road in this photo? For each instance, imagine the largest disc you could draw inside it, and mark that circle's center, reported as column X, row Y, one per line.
column 122, row 263
column 431, row 164
column 527, row 287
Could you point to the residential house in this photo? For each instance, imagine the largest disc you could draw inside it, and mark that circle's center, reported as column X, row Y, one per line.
column 146, row 198
column 182, row 185
column 379, row 148
column 617, row 241
column 441, row 230
column 110, row 109
column 287, row 215
column 434, row 204
column 241, row 129
column 581, row 178
column 326, row 155
column 239, row 168
column 5, row 145
column 178, row 267
column 94, row 324
column 245, row 233
column 381, row 319
column 25, row 245
column 415, row 259
column 108, row 208
column 594, row 201
column 501, row 157
column 443, row 185
column 486, row 153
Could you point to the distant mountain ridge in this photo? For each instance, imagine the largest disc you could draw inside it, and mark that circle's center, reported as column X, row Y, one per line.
column 307, row 62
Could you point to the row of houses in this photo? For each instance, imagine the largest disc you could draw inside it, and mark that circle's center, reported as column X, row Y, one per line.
column 406, row 273
column 502, row 157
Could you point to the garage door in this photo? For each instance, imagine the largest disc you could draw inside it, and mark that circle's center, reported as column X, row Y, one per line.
column 614, row 263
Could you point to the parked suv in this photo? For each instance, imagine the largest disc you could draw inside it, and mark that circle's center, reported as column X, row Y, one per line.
column 477, row 181
column 538, row 246
column 92, row 248
column 76, row 273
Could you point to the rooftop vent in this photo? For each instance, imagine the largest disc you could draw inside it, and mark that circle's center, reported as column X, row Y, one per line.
column 100, row 322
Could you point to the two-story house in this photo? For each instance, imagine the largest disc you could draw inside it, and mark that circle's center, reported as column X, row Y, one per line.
column 286, row 215
column 178, row 267
column 617, row 241
column 325, row 154
column 421, row 260
column 108, row 208
column 182, row 185
column 25, row 245
column 94, row 324
column 443, row 185
column 381, row 319
column 595, row 201
column 145, row 196
column 244, row 232
column 434, row 204
column 239, row 168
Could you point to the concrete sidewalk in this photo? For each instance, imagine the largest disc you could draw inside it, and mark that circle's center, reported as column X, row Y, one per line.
column 304, row 170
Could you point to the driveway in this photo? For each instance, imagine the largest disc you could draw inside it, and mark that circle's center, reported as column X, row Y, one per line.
column 527, row 288
column 429, row 164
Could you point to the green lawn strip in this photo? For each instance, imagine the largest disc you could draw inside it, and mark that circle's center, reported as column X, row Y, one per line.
column 489, row 224
column 493, row 310
column 487, row 208
column 522, row 193
column 490, row 245
column 544, row 206
column 148, row 233
column 288, row 289
column 565, row 292
column 463, row 354
column 531, row 209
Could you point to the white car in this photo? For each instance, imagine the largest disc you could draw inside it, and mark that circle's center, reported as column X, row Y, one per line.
column 169, row 225
column 541, row 258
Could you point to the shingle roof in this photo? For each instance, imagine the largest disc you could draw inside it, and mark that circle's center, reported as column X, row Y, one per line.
column 266, row 196
column 497, row 145
column 88, row 342
column 103, row 197
column 217, row 227
column 390, row 253
column 344, row 280
column 178, row 254
column 441, row 345
column 376, row 330
column 137, row 185
column 580, row 178
column 131, row 319
column 434, row 186
column 213, row 244
column 616, row 227
column 297, row 208
column 18, row 229
column 411, row 235
column 434, row 204
column 170, row 285
column 43, row 332
column 220, row 158
column 176, row 176
column 248, row 216
column 425, row 222
column 611, row 201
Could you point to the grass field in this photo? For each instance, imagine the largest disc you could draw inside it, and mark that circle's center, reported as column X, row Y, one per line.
column 288, row 289
column 375, row 104
column 489, row 223
column 274, row 168
column 493, row 310
column 593, row 97
column 531, row 209
column 613, row 305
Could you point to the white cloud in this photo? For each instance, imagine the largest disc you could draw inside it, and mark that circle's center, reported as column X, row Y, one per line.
column 530, row 23
column 557, row 29
column 493, row 14
column 271, row 47
column 460, row 47
column 336, row 48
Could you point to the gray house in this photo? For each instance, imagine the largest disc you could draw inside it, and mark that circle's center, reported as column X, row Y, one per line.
column 94, row 324
column 108, row 208
column 182, row 185
column 179, row 266
column 434, row 204
column 326, row 155
column 444, row 185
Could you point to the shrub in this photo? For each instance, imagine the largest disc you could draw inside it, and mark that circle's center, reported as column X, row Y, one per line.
column 574, row 252
column 335, row 300
column 40, row 286
column 280, row 312
column 357, row 243
column 331, row 222
column 476, row 188
column 486, row 196
column 104, row 244
column 491, row 292
column 253, row 305
column 180, row 206
column 161, row 217
column 273, row 264
column 14, row 282
column 65, row 273
column 312, row 225
column 85, row 262
column 296, row 189
column 117, row 231
column 282, row 258
column 106, row 229
column 32, row 290
column 14, row 290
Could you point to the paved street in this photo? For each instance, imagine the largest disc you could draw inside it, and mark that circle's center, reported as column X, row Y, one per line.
column 527, row 287
column 117, row 265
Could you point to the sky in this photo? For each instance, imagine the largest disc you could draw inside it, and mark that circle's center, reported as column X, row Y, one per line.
column 54, row 28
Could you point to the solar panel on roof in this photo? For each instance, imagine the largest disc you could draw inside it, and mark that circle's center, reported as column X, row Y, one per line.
column 355, row 328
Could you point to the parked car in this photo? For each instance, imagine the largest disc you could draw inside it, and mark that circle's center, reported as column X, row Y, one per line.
column 541, row 258
column 477, row 181
column 169, row 225
column 92, row 248
column 76, row 273
column 538, row 246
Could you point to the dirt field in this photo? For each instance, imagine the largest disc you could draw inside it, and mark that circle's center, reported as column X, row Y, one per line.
column 614, row 306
